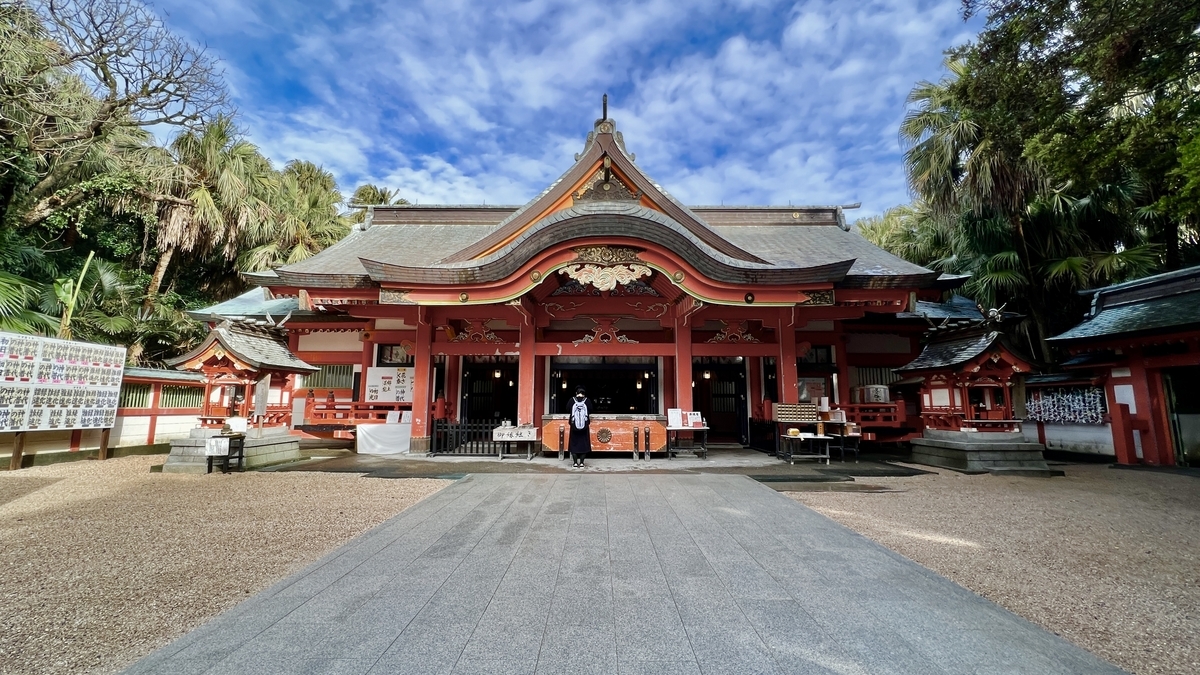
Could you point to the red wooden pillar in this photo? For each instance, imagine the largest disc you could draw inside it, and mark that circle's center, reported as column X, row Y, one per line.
column 1159, row 423
column 155, row 406
column 1122, row 433
column 1148, row 404
column 368, row 361
column 453, row 385
column 843, row 369
column 785, row 369
column 526, row 370
column 756, row 390
column 683, row 365
column 539, row 389
column 422, row 381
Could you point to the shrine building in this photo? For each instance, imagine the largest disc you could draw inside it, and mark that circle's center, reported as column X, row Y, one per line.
column 604, row 280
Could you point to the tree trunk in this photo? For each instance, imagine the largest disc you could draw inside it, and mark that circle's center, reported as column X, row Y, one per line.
column 156, row 281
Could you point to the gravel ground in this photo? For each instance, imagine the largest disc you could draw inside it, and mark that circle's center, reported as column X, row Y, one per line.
column 1107, row 558
column 102, row 562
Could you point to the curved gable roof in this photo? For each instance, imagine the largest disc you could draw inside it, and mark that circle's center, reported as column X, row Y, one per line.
column 605, row 147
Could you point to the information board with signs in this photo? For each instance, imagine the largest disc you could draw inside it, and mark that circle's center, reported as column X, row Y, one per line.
column 388, row 385
column 48, row 384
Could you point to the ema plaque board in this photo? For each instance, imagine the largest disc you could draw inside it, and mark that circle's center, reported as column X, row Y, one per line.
column 48, row 384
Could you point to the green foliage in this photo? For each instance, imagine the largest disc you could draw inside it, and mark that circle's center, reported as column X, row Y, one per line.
column 171, row 227
column 1058, row 153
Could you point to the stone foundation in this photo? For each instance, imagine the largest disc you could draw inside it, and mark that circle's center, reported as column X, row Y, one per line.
column 982, row 451
column 271, row 445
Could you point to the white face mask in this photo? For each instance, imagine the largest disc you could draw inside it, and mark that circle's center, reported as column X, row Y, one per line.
column 579, row 396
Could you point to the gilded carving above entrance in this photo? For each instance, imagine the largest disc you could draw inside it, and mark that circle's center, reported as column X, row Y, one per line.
column 607, row 255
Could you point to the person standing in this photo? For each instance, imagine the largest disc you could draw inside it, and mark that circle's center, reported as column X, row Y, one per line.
column 580, row 441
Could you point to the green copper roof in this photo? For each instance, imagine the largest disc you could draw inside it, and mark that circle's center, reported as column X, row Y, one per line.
column 1162, row 302
column 1176, row 311
column 254, row 303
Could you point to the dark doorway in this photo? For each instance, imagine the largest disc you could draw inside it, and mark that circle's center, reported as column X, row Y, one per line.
column 489, row 392
column 1183, row 410
column 616, row 385
column 719, row 393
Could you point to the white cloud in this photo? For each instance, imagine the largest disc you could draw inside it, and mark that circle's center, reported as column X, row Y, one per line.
column 466, row 101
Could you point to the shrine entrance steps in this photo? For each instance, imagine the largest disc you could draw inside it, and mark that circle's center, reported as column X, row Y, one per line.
column 998, row 452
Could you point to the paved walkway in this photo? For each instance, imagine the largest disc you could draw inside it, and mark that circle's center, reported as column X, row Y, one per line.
column 616, row 574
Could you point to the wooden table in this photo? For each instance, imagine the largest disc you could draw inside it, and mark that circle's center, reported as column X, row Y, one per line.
column 673, row 441
column 839, row 437
column 788, row 445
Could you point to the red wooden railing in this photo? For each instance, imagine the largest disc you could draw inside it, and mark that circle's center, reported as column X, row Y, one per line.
column 347, row 412
column 875, row 414
column 957, row 422
column 277, row 416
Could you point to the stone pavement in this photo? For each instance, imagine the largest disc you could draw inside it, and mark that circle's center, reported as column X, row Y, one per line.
column 550, row 573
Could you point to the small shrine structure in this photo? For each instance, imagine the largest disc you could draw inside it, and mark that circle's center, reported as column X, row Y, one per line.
column 967, row 372
column 967, row 379
column 1140, row 342
column 234, row 358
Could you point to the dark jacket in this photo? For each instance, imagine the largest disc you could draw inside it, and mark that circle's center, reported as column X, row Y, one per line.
column 580, row 440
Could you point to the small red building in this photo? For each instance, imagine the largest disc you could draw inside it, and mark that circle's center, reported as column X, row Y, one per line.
column 967, row 379
column 1141, row 342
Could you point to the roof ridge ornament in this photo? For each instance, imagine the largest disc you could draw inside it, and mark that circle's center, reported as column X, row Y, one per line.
column 604, row 125
column 605, row 186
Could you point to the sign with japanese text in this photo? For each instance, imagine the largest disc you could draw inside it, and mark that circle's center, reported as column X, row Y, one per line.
column 388, row 385
column 50, row 384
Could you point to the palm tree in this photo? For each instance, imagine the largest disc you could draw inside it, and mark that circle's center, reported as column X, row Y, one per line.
column 305, row 219
column 18, row 307
column 221, row 184
column 369, row 194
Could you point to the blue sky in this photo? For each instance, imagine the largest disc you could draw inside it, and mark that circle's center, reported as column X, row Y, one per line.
column 471, row 101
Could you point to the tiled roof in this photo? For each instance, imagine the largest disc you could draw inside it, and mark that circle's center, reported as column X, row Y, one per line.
column 162, row 374
column 786, row 248
column 1168, row 301
column 738, row 244
column 956, row 308
column 263, row 347
column 252, row 303
column 1055, row 380
column 948, row 353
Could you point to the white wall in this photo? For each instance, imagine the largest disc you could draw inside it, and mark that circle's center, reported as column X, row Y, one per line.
column 174, row 426
column 1088, row 439
column 330, row 342
column 128, row 431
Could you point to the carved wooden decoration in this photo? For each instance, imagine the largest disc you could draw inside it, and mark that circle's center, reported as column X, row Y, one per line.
column 734, row 332
column 604, row 333
column 605, row 278
column 816, row 298
column 607, row 255
column 478, row 332
column 604, row 186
